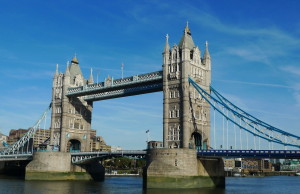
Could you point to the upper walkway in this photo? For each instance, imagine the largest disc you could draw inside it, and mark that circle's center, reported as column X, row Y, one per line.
column 129, row 86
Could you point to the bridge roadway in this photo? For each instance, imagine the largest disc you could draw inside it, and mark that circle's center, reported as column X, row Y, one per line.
column 16, row 157
column 281, row 154
column 83, row 157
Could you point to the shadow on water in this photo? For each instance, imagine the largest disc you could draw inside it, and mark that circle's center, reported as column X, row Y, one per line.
column 65, row 187
column 186, row 191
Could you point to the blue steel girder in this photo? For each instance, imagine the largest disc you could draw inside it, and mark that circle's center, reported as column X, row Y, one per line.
column 280, row 154
column 86, row 157
column 16, row 157
column 134, row 85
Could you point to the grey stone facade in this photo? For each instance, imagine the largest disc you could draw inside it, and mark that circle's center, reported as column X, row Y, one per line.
column 71, row 117
column 186, row 116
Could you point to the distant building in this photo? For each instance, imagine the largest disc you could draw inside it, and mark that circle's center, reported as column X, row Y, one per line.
column 97, row 143
column 290, row 164
column 254, row 165
column 3, row 141
column 15, row 135
column 40, row 136
column 229, row 164
column 155, row 144
column 247, row 165
column 116, row 148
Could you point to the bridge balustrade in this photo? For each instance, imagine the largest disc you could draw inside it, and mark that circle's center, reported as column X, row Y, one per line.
column 117, row 83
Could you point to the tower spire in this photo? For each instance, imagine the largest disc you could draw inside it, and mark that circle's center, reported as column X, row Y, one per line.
column 206, row 53
column 167, row 46
column 56, row 72
column 186, row 40
column 75, row 60
column 91, row 79
column 67, row 69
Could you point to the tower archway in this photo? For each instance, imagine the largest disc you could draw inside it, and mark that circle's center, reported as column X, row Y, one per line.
column 73, row 145
column 197, row 140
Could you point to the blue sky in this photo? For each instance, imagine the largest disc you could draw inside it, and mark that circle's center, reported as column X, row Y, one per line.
column 254, row 47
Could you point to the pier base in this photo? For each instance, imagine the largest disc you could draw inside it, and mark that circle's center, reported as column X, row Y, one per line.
column 180, row 168
column 58, row 166
column 2, row 164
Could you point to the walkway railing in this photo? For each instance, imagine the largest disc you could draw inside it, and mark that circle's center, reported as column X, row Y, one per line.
column 81, row 157
column 114, row 85
column 282, row 154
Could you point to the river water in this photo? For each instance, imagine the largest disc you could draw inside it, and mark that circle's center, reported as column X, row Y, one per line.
column 133, row 185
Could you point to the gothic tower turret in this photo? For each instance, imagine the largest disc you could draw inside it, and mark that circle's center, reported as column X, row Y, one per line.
column 71, row 117
column 186, row 114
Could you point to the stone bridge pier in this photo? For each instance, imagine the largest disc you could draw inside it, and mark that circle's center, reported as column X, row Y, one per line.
column 180, row 168
column 58, row 166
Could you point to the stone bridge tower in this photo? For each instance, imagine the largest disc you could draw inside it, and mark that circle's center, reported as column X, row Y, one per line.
column 186, row 115
column 71, row 117
column 186, row 123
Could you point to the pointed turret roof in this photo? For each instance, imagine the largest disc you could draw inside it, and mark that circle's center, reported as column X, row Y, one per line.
column 67, row 73
column 167, row 46
column 74, row 69
column 187, row 40
column 206, row 52
column 56, row 72
column 91, row 79
column 74, row 60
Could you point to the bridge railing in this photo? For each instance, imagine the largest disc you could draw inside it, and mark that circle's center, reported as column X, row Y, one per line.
column 82, row 157
column 250, row 153
column 116, row 83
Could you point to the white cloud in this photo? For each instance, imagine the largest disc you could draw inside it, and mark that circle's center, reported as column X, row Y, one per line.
column 258, row 84
column 291, row 69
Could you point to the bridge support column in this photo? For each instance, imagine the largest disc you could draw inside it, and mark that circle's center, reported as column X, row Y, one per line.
column 56, row 166
column 180, row 168
column 2, row 164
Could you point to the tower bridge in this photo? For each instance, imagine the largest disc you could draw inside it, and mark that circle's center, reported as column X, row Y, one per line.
column 190, row 104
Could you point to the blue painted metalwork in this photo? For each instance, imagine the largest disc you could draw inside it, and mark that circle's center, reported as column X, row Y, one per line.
column 16, row 148
column 16, row 157
column 281, row 137
column 138, row 84
column 85, row 157
column 281, row 154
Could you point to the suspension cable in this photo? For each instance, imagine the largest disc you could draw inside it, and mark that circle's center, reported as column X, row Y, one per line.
column 246, row 117
column 215, row 128
column 227, row 131
column 234, row 134
column 223, row 129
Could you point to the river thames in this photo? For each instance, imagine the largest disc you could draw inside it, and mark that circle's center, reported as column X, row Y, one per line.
column 274, row 184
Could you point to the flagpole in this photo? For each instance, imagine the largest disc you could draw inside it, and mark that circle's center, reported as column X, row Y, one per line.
column 122, row 69
column 148, row 135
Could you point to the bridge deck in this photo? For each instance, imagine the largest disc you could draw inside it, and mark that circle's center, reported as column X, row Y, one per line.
column 282, row 154
column 79, row 157
column 134, row 85
column 15, row 157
